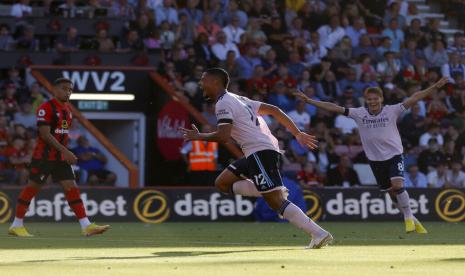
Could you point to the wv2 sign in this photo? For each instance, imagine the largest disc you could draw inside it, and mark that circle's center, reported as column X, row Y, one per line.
column 113, row 81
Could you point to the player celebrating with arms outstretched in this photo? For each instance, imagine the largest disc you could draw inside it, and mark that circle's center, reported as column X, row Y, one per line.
column 381, row 142
column 51, row 157
column 240, row 118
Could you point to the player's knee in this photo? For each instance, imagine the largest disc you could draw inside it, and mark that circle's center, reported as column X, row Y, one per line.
column 275, row 200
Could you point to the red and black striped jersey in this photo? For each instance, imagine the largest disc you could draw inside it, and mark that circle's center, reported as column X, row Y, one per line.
column 58, row 116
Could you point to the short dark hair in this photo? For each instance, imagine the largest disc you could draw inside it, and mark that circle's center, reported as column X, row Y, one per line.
column 220, row 74
column 62, row 80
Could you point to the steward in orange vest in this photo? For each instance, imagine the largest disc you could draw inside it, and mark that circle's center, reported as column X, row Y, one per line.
column 203, row 156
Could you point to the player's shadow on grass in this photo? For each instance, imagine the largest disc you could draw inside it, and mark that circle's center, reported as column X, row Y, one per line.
column 454, row 260
column 167, row 254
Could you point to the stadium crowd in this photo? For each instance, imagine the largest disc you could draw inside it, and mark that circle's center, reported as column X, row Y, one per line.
column 331, row 50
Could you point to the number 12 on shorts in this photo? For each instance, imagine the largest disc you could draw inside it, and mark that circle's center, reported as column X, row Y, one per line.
column 260, row 180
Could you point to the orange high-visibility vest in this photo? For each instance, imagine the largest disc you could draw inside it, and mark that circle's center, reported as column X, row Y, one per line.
column 202, row 156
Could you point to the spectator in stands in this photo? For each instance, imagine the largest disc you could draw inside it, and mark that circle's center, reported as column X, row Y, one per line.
column 132, row 42
column 27, row 41
column 92, row 161
column 433, row 33
column 458, row 45
column 166, row 12
column 70, row 42
column 414, row 14
column 453, row 67
column 26, row 116
column 435, row 54
column 395, row 33
column 343, row 174
column 456, row 175
column 167, row 36
column 295, row 66
column 456, row 100
column 415, row 32
column 209, row 27
column 412, row 125
column 275, row 31
column 203, row 50
column 185, row 31
column 21, row 9
column 223, row 46
column 331, row 34
column 248, row 61
column 7, row 42
column 9, row 99
column 37, row 98
column 68, row 9
column 314, row 50
column 411, row 53
column 297, row 29
column 234, row 11
column 390, row 65
column 7, row 175
column 194, row 15
column 233, row 31
column 278, row 97
column 18, row 157
column 386, row 45
column 438, row 178
column 394, row 13
column 364, row 47
column 300, row 116
column 104, row 43
column 231, row 65
column 144, row 25
column 356, row 31
column 309, row 177
column 432, row 132
column 122, row 9
column 430, row 157
column 415, row 178
column 343, row 50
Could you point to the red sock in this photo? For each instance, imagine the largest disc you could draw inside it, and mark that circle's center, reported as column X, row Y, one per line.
column 75, row 202
column 24, row 199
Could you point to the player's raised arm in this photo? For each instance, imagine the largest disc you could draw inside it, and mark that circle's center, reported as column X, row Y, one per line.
column 222, row 133
column 303, row 138
column 412, row 100
column 323, row 105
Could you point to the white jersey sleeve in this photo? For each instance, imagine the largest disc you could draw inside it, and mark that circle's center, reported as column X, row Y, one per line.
column 224, row 112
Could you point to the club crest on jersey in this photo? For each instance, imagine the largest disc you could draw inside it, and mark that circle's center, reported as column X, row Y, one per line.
column 64, row 124
column 41, row 113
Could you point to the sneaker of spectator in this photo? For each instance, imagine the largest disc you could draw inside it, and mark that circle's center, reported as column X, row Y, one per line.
column 122, row 9
column 21, row 9
column 70, row 42
column 343, row 174
column 394, row 13
column 105, row 44
column 234, row 11
column 167, row 36
column 222, row 46
column 436, row 54
column 166, row 12
column 332, row 33
column 93, row 162
column 415, row 179
column 7, row 42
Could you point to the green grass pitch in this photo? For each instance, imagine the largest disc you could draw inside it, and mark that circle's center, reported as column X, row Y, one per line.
column 233, row 249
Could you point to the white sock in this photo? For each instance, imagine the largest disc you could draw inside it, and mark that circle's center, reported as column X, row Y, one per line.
column 18, row 222
column 245, row 188
column 299, row 219
column 84, row 222
column 404, row 205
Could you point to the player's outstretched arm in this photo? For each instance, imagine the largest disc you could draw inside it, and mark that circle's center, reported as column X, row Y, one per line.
column 222, row 134
column 303, row 138
column 44, row 132
column 412, row 100
column 323, row 105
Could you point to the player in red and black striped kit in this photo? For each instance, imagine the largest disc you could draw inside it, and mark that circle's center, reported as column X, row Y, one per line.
column 52, row 157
